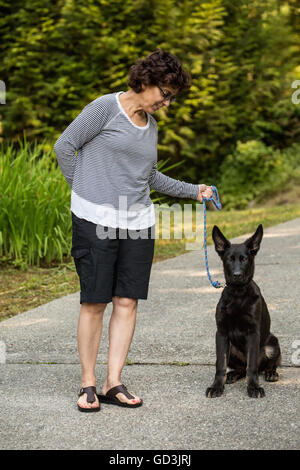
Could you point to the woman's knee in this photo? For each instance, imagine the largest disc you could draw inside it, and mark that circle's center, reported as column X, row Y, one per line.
column 125, row 302
column 93, row 308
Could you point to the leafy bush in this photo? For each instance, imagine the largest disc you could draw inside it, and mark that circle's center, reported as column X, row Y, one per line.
column 57, row 56
column 255, row 171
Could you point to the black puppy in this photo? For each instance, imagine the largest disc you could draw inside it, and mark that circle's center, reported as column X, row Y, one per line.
column 243, row 339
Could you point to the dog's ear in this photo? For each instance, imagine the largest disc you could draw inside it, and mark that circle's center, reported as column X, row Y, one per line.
column 253, row 243
column 221, row 243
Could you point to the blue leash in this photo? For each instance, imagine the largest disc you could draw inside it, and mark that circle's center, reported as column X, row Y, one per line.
column 216, row 201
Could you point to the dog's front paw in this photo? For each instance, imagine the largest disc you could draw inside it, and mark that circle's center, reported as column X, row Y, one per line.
column 254, row 391
column 214, row 391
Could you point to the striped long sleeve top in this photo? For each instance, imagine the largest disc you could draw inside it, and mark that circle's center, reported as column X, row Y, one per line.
column 115, row 166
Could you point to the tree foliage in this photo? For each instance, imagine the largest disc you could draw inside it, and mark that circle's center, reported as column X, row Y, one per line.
column 58, row 55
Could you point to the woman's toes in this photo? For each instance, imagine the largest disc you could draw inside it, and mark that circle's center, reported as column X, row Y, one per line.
column 130, row 401
column 82, row 402
column 85, row 404
column 136, row 399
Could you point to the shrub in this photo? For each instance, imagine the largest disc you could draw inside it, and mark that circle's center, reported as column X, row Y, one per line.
column 255, row 171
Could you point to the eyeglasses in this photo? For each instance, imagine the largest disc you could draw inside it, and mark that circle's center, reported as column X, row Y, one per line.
column 167, row 96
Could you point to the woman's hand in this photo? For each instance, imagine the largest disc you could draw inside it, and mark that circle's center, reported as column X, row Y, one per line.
column 204, row 191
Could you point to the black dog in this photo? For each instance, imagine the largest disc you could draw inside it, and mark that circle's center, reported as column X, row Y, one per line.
column 243, row 339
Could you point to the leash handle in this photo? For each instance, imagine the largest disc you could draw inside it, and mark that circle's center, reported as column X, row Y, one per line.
column 218, row 205
column 216, row 202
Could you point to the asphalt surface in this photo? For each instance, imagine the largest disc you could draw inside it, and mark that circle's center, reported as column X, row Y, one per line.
column 172, row 363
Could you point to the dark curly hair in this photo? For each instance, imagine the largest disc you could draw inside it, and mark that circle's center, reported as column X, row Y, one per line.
column 159, row 68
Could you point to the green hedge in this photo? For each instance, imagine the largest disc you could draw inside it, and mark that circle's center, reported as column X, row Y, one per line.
column 254, row 172
column 56, row 56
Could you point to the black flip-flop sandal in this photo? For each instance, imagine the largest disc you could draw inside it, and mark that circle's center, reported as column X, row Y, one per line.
column 111, row 399
column 90, row 391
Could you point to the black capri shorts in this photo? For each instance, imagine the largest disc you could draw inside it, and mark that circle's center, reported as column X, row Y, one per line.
column 111, row 261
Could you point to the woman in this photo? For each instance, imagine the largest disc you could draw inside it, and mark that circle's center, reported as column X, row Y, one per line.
column 115, row 137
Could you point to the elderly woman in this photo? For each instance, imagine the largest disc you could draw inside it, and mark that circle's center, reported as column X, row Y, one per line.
column 115, row 137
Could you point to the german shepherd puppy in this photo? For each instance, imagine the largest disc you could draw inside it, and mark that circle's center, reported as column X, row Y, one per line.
column 243, row 339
